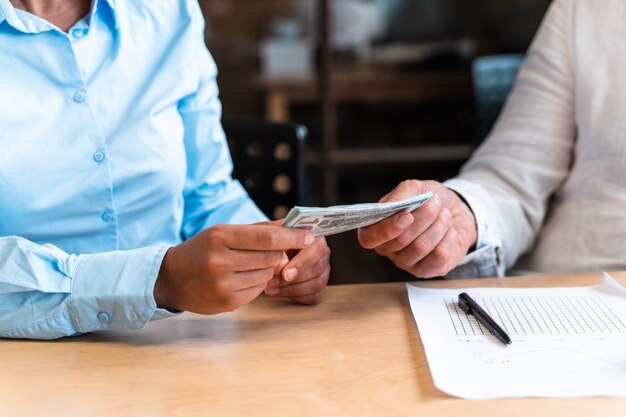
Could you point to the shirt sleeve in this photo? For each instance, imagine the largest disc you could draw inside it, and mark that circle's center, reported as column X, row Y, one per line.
column 211, row 195
column 46, row 293
column 509, row 181
column 486, row 259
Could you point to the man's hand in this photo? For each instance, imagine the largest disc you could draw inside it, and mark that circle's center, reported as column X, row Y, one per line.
column 429, row 242
column 224, row 267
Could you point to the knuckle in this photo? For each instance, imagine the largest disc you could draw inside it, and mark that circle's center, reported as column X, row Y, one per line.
column 268, row 238
column 430, row 211
column 460, row 249
column 437, row 269
column 440, row 255
column 382, row 251
column 403, row 240
column 318, row 284
column 417, row 272
column 388, row 232
column 319, row 267
column 272, row 257
column 220, row 290
column 442, row 270
column 411, row 184
column 214, row 263
column 321, row 243
column 326, row 274
column 365, row 239
column 317, row 298
column 421, row 246
column 267, row 274
column 216, row 232
column 288, row 290
column 312, row 299
column 402, row 262
column 446, row 218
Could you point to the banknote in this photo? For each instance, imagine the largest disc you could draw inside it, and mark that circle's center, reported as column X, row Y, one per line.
column 326, row 221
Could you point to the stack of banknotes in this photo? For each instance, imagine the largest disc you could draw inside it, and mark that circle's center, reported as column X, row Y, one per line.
column 326, row 221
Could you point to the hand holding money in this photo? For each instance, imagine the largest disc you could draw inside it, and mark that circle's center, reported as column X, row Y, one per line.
column 429, row 242
column 326, row 221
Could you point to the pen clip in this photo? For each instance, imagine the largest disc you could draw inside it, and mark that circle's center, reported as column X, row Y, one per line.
column 464, row 305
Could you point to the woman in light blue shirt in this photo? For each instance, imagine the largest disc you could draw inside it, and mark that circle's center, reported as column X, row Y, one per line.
column 118, row 204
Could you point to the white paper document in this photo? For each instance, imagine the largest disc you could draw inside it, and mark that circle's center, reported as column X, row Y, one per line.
column 567, row 341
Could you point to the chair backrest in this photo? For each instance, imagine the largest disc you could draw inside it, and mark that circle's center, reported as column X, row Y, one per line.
column 493, row 78
column 269, row 161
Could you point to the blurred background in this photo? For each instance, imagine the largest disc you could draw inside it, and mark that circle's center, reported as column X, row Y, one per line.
column 384, row 87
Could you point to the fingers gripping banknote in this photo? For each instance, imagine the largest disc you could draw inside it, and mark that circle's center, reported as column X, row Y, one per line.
column 326, row 221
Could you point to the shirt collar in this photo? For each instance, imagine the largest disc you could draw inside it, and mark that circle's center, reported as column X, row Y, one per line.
column 108, row 14
column 9, row 14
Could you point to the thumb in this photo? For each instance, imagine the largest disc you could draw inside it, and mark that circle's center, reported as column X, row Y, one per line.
column 406, row 189
column 279, row 268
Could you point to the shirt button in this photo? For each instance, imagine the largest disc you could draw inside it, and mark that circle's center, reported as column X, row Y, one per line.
column 133, row 314
column 98, row 156
column 80, row 96
column 79, row 33
column 104, row 317
column 107, row 216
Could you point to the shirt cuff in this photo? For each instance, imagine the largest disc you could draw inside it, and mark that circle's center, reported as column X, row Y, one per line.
column 486, row 259
column 115, row 290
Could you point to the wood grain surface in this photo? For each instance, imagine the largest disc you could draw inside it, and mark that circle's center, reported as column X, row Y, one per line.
column 357, row 354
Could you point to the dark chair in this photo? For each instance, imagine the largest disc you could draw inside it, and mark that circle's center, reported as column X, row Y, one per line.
column 268, row 161
column 493, row 78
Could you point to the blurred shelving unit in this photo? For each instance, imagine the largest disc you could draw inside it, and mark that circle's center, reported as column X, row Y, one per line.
column 370, row 88
column 333, row 87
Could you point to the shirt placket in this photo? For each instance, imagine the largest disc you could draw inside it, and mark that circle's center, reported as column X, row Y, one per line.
column 78, row 38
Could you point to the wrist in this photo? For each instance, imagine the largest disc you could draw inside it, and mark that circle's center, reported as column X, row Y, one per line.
column 469, row 225
column 163, row 288
column 472, row 227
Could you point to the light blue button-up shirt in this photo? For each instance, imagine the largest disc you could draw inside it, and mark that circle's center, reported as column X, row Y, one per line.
column 111, row 151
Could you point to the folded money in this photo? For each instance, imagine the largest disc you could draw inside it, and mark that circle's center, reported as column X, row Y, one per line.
column 326, row 221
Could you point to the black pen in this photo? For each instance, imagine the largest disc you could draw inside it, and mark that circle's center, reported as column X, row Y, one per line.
column 469, row 306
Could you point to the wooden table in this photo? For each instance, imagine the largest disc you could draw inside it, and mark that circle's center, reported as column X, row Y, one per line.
column 357, row 354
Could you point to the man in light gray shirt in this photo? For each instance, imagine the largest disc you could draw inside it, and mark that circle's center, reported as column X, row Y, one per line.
column 546, row 192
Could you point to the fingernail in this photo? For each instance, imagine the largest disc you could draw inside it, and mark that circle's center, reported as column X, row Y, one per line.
column 437, row 200
column 290, row 274
column 272, row 290
column 404, row 221
column 309, row 239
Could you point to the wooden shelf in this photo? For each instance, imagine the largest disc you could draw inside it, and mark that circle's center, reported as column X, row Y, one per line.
column 369, row 156
column 364, row 86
